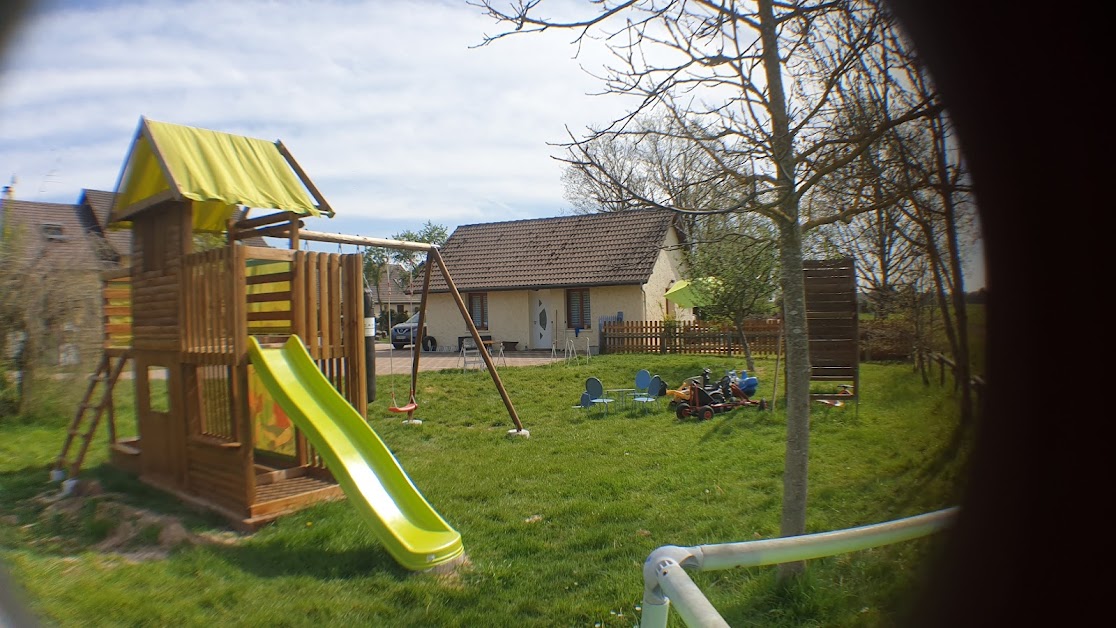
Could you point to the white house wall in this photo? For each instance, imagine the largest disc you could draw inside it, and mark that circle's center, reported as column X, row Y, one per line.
column 508, row 318
column 443, row 320
column 669, row 268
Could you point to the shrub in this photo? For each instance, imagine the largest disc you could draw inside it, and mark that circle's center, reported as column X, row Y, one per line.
column 892, row 338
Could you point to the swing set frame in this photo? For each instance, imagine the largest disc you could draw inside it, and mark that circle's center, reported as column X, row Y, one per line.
column 433, row 257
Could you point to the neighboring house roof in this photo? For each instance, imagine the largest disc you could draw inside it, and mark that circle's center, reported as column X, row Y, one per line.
column 254, row 240
column 56, row 232
column 99, row 203
column 392, row 293
column 609, row 248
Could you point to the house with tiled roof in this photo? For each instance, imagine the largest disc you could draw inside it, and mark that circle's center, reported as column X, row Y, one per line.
column 540, row 282
column 56, row 234
column 395, row 293
column 56, row 252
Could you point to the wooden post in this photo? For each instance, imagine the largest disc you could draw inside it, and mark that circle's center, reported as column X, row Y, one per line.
column 354, row 333
column 477, row 339
column 293, row 235
column 238, row 385
column 322, row 204
column 298, row 296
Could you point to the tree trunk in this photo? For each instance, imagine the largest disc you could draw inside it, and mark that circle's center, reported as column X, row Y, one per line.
column 796, row 464
column 953, row 249
column 751, row 363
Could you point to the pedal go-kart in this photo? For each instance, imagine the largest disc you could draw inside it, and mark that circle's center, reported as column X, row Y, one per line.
column 700, row 399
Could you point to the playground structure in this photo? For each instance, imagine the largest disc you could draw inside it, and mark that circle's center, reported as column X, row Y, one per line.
column 261, row 350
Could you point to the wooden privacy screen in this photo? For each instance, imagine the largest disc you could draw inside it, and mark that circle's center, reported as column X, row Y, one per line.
column 831, row 317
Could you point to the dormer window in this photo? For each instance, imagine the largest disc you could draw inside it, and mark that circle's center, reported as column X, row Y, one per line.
column 53, row 232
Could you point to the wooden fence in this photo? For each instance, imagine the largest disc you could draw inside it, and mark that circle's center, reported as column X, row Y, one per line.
column 688, row 337
column 976, row 382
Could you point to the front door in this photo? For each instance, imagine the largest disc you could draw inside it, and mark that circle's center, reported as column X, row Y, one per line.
column 542, row 327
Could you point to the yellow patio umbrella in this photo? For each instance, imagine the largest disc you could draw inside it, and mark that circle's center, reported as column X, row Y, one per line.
column 692, row 293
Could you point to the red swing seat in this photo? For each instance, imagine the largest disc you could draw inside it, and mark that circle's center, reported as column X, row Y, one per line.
column 409, row 408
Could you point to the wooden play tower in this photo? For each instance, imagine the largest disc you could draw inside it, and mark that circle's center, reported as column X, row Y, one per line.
column 206, row 429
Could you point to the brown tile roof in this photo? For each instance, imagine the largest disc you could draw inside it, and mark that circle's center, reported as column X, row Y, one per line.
column 392, row 293
column 56, row 233
column 254, row 240
column 611, row 248
column 99, row 203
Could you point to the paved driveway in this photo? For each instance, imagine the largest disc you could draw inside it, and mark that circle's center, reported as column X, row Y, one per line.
column 390, row 360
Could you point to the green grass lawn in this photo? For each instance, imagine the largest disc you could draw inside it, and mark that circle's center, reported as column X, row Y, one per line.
column 556, row 527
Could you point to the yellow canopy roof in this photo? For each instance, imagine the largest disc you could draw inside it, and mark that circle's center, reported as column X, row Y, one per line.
column 217, row 171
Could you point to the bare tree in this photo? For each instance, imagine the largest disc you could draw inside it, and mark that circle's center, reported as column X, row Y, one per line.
column 888, row 258
column 942, row 210
column 919, row 185
column 739, row 250
column 912, row 242
column 757, row 89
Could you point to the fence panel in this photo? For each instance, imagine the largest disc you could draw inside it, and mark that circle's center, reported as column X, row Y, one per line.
column 689, row 337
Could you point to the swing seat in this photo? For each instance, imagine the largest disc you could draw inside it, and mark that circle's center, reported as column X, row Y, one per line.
column 409, row 408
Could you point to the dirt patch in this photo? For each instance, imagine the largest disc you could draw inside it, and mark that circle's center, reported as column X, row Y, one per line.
column 131, row 532
column 450, row 574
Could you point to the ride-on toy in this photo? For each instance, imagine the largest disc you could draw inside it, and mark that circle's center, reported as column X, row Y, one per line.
column 846, row 391
column 700, row 399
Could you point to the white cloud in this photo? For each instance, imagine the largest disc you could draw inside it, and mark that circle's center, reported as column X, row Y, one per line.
column 385, row 105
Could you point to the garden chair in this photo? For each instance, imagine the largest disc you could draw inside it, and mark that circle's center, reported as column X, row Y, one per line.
column 650, row 394
column 595, row 389
column 642, row 381
column 586, row 401
column 470, row 355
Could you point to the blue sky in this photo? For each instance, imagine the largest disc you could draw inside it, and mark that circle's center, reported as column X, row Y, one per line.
column 389, row 108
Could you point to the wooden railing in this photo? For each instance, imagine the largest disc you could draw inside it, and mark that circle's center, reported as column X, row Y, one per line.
column 239, row 291
column 976, row 382
column 688, row 337
column 209, row 319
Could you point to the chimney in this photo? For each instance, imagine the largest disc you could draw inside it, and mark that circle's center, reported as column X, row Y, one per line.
column 7, row 195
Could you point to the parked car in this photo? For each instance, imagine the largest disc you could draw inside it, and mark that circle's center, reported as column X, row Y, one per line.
column 403, row 334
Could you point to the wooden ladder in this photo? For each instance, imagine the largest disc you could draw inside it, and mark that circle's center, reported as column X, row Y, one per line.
column 108, row 370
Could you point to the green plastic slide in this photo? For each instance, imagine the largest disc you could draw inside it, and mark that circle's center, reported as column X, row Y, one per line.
column 410, row 529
